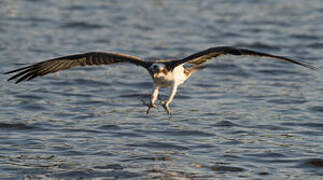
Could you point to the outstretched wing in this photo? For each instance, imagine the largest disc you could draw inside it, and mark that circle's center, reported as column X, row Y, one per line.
column 66, row 62
column 203, row 56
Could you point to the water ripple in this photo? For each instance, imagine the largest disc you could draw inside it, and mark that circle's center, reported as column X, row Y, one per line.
column 239, row 118
column 159, row 145
column 16, row 126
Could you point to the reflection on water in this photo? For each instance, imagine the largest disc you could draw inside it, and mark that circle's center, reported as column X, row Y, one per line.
column 240, row 117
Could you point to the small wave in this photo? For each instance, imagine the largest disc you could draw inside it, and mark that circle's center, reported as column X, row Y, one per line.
column 109, row 127
column 286, row 101
column 316, row 45
column 32, row 97
column 271, row 127
column 157, row 158
column 276, row 72
column 311, row 163
column 310, row 133
column 309, row 125
column 34, row 19
column 266, row 155
column 226, row 124
column 81, row 25
column 305, row 37
column 135, row 96
column 109, row 166
column 159, row 145
column 316, row 109
column 226, row 168
column 178, row 132
column 16, row 126
column 89, row 173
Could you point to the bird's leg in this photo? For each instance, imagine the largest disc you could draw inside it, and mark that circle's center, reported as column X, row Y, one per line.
column 170, row 99
column 154, row 96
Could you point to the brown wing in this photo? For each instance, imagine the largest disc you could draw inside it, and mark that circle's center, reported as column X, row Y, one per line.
column 66, row 62
column 203, row 56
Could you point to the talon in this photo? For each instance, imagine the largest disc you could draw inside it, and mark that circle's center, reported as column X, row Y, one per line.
column 165, row 106
column 151, row 106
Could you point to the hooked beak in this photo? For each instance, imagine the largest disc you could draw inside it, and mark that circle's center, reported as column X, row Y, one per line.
column 157, row 69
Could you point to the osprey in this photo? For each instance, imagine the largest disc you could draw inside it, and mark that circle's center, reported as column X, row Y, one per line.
column 165, row 73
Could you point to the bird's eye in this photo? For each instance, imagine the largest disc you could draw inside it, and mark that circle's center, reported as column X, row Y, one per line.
column 154, row 67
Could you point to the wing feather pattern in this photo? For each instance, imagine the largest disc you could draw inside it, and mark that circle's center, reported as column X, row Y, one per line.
column 67, row 62
column 203, row 56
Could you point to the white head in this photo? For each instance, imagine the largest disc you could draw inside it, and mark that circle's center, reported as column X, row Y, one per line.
column 157, row 67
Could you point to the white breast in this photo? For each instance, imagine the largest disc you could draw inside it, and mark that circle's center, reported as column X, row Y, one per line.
column 177, row 76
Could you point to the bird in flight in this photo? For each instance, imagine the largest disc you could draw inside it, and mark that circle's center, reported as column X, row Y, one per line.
column 165, row 73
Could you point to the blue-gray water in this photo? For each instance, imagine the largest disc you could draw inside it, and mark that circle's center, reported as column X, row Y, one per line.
column 240, row 118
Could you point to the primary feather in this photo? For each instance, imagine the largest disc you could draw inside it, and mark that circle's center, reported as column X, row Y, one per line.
column 203, row 56
column 67, row 62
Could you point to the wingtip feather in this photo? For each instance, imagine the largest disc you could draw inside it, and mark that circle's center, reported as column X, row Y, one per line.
column 313, row 67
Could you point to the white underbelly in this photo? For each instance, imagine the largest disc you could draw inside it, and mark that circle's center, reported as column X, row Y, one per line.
column 177, row 76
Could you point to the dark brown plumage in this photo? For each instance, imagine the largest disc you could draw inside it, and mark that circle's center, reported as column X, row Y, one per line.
column 103, row 58
column 203, row 56
column 66, row 62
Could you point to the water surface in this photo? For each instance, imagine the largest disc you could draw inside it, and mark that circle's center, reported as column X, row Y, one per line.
column 240, row 118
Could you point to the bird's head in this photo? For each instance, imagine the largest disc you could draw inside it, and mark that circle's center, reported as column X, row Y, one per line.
column 157, row 68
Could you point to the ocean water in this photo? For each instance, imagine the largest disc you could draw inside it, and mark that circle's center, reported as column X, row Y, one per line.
column 241, row 118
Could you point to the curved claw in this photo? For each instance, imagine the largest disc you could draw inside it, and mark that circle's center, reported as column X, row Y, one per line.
column 149, row 108
column 166, row 107
column 151, row 105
